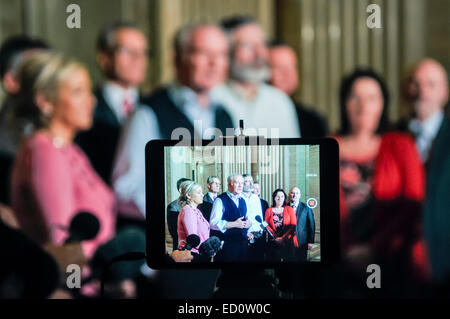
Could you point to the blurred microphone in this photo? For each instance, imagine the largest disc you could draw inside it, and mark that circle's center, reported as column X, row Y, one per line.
column 191, row 241
column 129, row 241
column 27, row 270
column 84, row 226
column 264, row 225
column 210, row 247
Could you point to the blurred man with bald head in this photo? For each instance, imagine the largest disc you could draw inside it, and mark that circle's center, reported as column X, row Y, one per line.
column 201, row 62
column 284, row 76
column 427, row 94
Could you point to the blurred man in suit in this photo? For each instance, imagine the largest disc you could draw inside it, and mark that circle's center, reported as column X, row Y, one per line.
column 122, row 57
column 246, row 95
column 284, row 76
column 427, row 93
column 306, row 226
column 184, row 108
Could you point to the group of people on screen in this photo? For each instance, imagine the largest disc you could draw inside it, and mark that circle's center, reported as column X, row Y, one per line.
column 249, row 229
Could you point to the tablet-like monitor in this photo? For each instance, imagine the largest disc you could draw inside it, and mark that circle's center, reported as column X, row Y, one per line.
column 243, row 200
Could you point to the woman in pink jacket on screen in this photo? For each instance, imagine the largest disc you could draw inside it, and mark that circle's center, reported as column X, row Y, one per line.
column 191, row 220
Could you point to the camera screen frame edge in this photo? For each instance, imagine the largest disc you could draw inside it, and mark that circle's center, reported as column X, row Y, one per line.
column 329, row 190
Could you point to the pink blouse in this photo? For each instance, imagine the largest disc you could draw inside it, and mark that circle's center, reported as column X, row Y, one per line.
column 51, row 184
column 191, row 221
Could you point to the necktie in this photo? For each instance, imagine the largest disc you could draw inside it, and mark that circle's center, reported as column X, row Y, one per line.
column 127, row 106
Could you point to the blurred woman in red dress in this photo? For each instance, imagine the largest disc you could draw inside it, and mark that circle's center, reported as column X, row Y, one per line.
column 382, row 180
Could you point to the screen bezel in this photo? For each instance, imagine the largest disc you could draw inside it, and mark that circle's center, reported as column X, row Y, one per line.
column 155, row 184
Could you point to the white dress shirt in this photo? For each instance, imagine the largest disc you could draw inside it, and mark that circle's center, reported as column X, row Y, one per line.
column 201, row 118
column 270, row 113
column 426, row 132
column 215, row 221
column 213, row 196
column 129, row 170
column 115, row 95
column 294, row 206
column 253, row 209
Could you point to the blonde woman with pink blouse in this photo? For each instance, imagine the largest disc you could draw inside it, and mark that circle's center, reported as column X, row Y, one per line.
column 52, row 178
column 191, row 220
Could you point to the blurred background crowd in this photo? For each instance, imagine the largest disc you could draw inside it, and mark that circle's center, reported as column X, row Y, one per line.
column 79, row 105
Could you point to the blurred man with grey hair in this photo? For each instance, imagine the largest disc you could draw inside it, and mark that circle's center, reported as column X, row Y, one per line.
column 265, row 110
column 201, row 62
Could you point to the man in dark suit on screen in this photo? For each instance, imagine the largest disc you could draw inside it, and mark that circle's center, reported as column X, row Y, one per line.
column 213, row 185
column 306, row 226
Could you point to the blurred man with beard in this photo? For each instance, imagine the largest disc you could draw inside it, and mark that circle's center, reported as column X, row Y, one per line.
column 264, row 109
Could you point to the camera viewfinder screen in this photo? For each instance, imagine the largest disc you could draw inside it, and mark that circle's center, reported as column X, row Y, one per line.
column 243, row 203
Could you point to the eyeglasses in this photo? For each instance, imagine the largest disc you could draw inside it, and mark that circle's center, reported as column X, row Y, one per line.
column 132, row 52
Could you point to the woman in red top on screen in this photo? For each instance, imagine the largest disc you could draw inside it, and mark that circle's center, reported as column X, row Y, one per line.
column 52, row 178
column 282, row 222
column 382, row 178
column 191, row 220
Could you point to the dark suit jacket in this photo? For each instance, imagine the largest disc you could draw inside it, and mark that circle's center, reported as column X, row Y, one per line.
column 437, row 204
column 206, row 207
column 6, row 164
column 207, row 199
column 173, row 210
column 264, row 207
column 311, row 123
column 170, row 117
column 403, row 126
column 306, row 226
column 100, row 142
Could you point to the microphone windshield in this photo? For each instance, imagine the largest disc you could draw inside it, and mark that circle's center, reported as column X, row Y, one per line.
column 258, row 219
column 210, row 246
column 84, row 226
column 192, row 241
